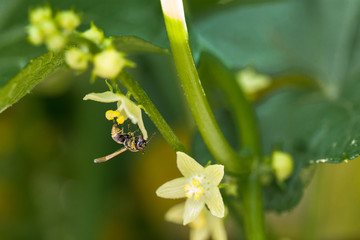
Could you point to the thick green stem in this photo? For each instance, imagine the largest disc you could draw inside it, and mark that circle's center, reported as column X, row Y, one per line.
column 251, row 192
column 249, row 183
column 195, row 96
column 142, row 98
column 250, row 186
column 247, row 130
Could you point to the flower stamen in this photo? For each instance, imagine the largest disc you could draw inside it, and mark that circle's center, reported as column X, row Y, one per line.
column 111, row 115
column 193, row 189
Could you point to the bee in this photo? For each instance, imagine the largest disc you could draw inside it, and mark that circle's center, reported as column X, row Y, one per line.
column 129, row 140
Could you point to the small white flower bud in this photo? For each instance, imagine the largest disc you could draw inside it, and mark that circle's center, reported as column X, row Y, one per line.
column 282, row 164
column 40, row 14
column 109, row 63
column 68, row 20
column 76, row 58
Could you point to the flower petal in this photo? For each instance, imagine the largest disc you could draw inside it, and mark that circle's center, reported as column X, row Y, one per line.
column 199, row 234
column 187, row 165
column 215, row 173
column 131, row 110
column 217, row 229
column 106, row 97
column 192, row 209
column 215, row 202
column 172, row 189
column 175, row 213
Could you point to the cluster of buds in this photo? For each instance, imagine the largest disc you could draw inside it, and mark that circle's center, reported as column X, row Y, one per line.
column 107, row 61
column 89, row 46
column 51, row 30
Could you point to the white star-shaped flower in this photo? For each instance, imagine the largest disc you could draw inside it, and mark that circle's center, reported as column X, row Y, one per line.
column 199, row 185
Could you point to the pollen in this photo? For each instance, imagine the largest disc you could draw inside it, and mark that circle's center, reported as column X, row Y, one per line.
column 194, row 189
column 110, row 114
column 120, row 119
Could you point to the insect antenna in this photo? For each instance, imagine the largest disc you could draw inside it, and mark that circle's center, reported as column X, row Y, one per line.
column 151, row 137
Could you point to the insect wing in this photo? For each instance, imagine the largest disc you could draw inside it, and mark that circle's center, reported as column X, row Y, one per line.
column 110, row 156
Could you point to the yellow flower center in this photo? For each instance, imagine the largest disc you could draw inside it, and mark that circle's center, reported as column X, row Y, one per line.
column 110, row 115
column 193, row 189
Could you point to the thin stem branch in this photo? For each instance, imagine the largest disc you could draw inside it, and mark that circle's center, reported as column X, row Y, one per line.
column 142, row 98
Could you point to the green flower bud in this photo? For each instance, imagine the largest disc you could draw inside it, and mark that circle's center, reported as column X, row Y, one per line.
column 35, row 35
column 282, row 164
column 252, row 82
column 40, row 14
column 76, row 58
column 68, row 20
column 94, row 34
column 109, row 63
column 48, row 28
column 56, row 42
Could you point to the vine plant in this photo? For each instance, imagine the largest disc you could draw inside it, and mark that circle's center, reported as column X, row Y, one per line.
column 246, row 167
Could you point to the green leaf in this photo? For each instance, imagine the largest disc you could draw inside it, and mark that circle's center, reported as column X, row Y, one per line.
column 29, row 77
column 319, row 42
column 317, row 36
column 208, row 6
column 134, row 45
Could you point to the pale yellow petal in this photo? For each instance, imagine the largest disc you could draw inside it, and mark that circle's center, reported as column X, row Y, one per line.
column 214, row 173
column 217, row 228
column 199, row 234
column 192, row 209
column 175, row 213
column 172, row 189
column 215, row 202
column 187, row 165
column 131, row 110
column 105, row 97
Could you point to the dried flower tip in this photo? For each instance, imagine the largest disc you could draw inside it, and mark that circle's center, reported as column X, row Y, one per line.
column 174, row 9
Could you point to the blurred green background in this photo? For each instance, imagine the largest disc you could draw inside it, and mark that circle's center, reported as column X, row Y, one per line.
column 51, row 189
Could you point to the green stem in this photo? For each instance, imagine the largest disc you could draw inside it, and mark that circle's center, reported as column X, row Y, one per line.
column 247, row 130
column 250, row 185
column 142, row 98
column 241, row 109
column 195, row 96
column 251, row 192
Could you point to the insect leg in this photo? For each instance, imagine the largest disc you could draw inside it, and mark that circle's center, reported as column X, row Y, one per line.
column 110, row 156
